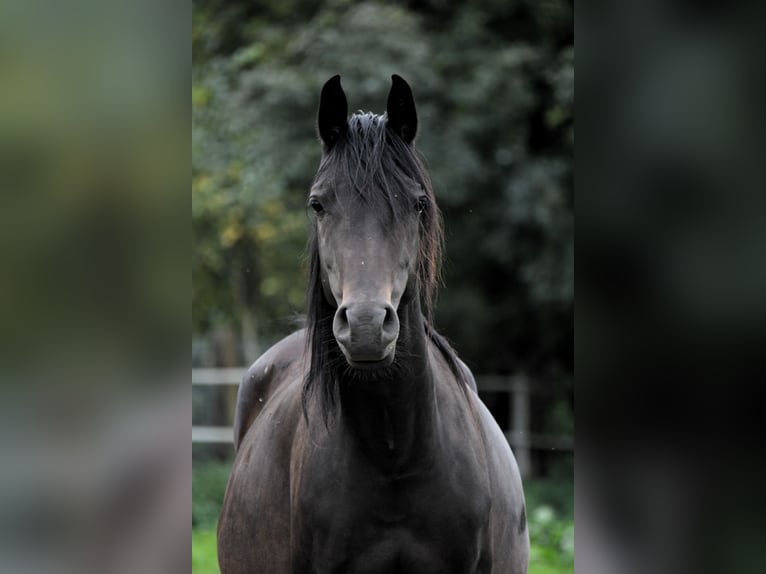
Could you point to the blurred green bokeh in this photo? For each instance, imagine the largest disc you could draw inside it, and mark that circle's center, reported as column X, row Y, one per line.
column 94, row 286
column 93, row 152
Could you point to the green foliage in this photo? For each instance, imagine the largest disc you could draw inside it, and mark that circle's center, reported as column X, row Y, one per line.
column 204, row 552
column 208, row 487
column 551, row 542
column 550, row 514
column 556, row 494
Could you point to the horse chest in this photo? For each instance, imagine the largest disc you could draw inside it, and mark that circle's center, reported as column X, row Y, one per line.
column 371, row 525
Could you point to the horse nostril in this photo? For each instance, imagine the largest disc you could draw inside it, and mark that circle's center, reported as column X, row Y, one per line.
column 342, row 317
column 388, row 320
column 390, row 324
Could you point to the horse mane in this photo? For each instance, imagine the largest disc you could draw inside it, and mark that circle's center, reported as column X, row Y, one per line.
column 380, row 167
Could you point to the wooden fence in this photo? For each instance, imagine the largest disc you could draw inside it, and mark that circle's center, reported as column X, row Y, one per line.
column 518, row 389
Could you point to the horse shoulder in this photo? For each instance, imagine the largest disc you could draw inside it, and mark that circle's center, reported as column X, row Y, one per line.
column 262, row 380
column 254, row 524
column 509, row 516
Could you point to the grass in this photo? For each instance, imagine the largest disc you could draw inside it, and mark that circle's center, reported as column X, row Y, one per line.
column 551, row 542
column 549, row 505
column 208, row 486
column 204, row 556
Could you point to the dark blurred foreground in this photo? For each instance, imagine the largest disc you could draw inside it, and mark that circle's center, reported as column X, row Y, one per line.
column 671, row 317
column 95, row 406
column 94, row 292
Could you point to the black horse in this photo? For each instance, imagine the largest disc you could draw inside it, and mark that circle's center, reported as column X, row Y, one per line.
column 362, row 445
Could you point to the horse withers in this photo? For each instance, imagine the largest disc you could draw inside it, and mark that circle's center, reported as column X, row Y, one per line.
column 362, row 445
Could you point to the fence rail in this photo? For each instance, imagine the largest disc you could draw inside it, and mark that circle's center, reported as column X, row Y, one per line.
column 231, row 376
column 517, row 387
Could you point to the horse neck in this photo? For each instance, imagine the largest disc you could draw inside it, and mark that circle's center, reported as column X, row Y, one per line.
column 392, row 419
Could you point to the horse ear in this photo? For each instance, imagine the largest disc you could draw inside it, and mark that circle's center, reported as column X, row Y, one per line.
column 333, row 112
column 402, row 117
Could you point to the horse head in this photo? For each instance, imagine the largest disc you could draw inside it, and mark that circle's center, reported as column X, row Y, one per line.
column 376, row 225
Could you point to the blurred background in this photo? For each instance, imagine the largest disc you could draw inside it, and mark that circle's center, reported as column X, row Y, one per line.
column 494, row 86
column 671, row 310
column 95, row 471
column 94, row 252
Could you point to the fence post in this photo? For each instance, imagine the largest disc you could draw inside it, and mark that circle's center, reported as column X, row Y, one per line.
column 520, row 423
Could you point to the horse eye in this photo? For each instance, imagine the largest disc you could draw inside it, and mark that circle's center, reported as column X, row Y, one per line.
column 421, row 205
column 316, row 205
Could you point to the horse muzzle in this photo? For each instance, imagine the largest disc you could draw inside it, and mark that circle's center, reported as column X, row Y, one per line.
column 366, row 333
